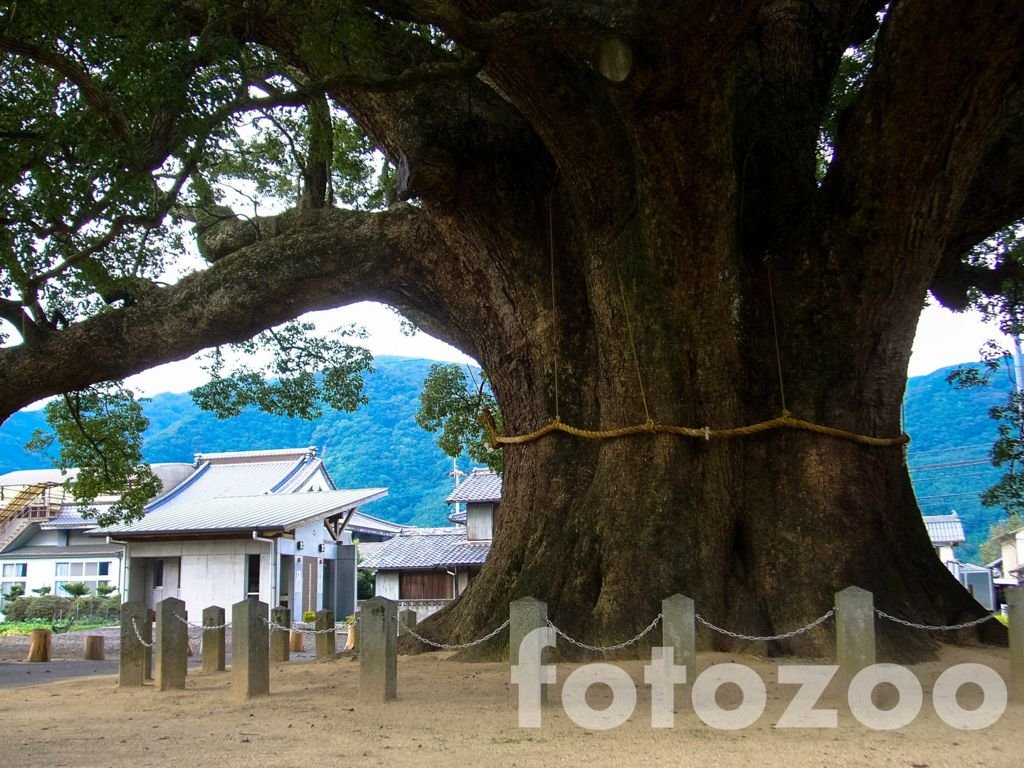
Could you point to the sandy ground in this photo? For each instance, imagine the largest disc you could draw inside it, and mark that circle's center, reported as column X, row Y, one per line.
column 458, row 714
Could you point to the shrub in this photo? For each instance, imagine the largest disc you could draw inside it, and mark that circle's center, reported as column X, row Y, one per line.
column 75, row 588
column 309, row 617
column 43, row 607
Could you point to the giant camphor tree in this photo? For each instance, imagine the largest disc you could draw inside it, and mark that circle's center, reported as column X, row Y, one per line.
column 694, row 213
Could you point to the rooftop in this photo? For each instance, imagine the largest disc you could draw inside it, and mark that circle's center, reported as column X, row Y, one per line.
column 480, row 485
column 945, row 529
column 425, row 548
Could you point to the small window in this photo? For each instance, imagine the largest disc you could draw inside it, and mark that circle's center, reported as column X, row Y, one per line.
column 15, row 570
column 158, row 573
column 253, row 576
column 104, row 569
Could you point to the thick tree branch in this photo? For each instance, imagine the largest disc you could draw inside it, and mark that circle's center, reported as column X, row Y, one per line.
column 322, row 259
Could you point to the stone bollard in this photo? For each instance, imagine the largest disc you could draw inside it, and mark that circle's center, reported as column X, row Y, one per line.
column 171, row 644
column 214, row 645
column 92, row 650
column 134, row 655
column 407, row 618
column 326, row 641
column 1015, row 599
column 526, row 615
column 679, row 632
column 279, row 638
column 40, row 645
column 250, row 645
column 855, row 631
column 378, row 650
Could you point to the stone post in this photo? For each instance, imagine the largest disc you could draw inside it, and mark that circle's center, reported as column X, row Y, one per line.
column 250, row 646
column 407, row 618
column 171, row 644
column 131, row 671
column 855, row 631
column 526, row 615
column 279, row 638
column 1015, row 599
column 679, row 632
column 378, row 650
column 214, row 646
column 326, row 641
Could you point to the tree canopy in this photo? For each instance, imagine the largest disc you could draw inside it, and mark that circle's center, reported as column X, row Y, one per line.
column 703, row 214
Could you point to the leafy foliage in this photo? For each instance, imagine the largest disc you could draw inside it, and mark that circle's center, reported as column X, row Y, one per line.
column 451, row 404
column 99, row 431
column 75, row 589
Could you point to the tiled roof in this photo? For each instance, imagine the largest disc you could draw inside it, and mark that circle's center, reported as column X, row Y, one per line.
column 70, row 518
column 426, row 548
column 480, row 485
column 236, row 456
column 244, row 513
column 220, row 479
column 945, row 529
column 363, row 523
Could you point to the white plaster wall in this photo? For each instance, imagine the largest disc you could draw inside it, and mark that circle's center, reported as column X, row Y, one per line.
column 387, row 584
column 312, row 536
column 479, row 522
column 1011, row 553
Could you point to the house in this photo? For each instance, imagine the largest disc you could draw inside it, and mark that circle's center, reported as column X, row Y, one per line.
column 265, row 524
column 1012, row 551
column 946, row 532
column 424, row 569
column 42, row 532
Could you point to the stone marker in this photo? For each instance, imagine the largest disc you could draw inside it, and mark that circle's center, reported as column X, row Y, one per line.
column 132, row 669
column 326, row 641
column 279, row 638
column 526, row 615
column 855, row 631
column 407, row 618
column 1015, row 599
column 250, row 646
column 92, row 650
column 171, row 644
column 214, row 645
column 39, row 645
column 679, row 632
column 378, row 650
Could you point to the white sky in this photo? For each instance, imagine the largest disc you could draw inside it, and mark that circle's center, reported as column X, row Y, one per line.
column 943, row 338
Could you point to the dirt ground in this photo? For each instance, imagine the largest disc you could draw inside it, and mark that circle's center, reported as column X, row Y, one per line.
column 460, row 714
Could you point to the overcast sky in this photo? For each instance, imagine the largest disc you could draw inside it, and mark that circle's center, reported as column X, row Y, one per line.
column 943, row 338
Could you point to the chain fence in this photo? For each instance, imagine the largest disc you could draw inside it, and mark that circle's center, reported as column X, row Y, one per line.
column 608, row 648
column 754, row 638
column 934, row 627
column 454, row 646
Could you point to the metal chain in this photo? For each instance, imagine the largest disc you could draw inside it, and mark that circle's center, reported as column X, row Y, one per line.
column 933, row 628
column 606, row 648
column 300, row 629
column 138, row 635
column 455, row 646
column 784, row 636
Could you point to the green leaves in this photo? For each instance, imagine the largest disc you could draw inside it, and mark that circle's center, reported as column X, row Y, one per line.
column 100, row 432
column 303, row 374
column 449, row 404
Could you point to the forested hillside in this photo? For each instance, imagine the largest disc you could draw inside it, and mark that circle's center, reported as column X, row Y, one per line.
column 381, row 445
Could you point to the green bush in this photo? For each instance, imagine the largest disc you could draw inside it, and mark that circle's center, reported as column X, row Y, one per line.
column 309, row 617
column 52, row 607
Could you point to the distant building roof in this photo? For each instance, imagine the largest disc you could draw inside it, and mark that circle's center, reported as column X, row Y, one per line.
column 425, row 548
column 234, row 457
column 480, row 485
column 945, row 529
column 245, row 513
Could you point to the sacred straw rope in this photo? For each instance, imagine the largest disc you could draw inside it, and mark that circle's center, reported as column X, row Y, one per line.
column 786, row 421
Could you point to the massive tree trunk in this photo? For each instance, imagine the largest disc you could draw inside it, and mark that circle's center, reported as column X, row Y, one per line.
column 619, row 217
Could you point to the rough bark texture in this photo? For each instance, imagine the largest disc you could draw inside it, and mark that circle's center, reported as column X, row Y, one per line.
column 558, row 213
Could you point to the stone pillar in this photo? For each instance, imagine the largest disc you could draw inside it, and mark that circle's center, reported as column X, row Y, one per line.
column 525, row 615
column 378, row 650
column 326, row 642
column 131, row 671
column 250, row 646
column 171, row 644
column 1015, row 599
column 279, row 637
column 214, row 646
column 407, row 618
column 679, row 632
column 855, row 631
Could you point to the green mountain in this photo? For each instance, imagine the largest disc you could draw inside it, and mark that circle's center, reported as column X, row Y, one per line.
column 381, row 445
